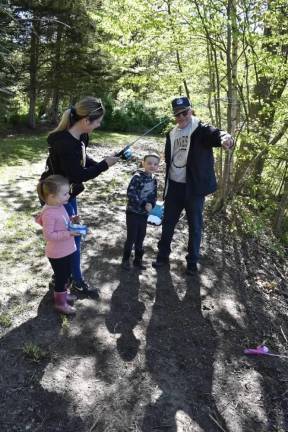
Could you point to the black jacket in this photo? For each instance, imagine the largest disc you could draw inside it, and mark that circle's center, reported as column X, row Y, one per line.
column 66, row 158
column 200, row 174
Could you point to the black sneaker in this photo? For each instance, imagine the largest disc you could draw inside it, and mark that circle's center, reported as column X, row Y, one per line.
column 139, row 264
column 125, row 265
column 161, row 262
column 191, row 269
column 82, row 288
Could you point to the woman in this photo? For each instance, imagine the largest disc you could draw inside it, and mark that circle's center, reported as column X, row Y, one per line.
column 67, row 156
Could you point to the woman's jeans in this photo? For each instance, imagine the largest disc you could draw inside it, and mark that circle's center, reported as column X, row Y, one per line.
column 71, row 208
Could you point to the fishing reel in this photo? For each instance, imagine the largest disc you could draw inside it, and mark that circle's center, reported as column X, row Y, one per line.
column 125, row 154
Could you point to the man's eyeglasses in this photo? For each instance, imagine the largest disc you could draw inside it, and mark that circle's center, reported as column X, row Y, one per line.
column 184, row 113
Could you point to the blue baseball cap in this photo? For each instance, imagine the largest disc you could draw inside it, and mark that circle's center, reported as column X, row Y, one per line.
column 180, row 102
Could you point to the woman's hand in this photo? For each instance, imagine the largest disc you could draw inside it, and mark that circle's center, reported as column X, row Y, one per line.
column 111, row 160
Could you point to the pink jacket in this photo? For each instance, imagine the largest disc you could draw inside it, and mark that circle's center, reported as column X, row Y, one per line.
column 54, row 220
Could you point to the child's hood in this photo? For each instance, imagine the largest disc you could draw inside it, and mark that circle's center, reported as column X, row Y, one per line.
column 39, row 216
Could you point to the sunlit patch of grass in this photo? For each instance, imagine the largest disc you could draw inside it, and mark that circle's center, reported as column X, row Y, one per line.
column 5, row 320
column 65, row 323
column 112, row 139
column 116, row 140
column 16, row 149
column 17, row 236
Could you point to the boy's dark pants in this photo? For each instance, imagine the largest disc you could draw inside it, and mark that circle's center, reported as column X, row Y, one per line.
column 136, row 231
column 175, row 201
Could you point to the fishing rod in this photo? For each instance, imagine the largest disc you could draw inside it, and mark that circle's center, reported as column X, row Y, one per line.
column 126, row 149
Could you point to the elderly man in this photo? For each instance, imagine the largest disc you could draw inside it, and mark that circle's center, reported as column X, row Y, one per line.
column 190, row 177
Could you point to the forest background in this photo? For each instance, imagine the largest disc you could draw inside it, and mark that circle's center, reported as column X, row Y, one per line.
column 229, row 57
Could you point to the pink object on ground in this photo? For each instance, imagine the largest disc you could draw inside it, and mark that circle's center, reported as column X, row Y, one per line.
column 260, row 350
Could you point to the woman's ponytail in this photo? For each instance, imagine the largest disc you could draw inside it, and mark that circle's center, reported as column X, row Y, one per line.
column 89, row 107
column 64, row 123
column 40, row 190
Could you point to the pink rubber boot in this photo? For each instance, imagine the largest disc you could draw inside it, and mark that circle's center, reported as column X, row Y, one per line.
column 61, row 305
column 70, row 297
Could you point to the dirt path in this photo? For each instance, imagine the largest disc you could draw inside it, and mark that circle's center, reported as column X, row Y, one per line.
column 160, row 351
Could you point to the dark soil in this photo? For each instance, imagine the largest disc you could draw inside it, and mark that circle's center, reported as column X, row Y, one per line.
column 160, row 351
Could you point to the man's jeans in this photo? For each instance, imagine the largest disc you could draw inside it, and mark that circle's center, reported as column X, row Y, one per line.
column 175, row 202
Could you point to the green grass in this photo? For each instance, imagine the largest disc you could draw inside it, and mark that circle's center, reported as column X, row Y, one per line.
column 34, row 352
column 5, row 320
column 16, row 149
column 114, row 139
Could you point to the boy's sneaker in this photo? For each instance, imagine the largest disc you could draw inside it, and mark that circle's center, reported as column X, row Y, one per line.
column 191, row 269
column 82, row 288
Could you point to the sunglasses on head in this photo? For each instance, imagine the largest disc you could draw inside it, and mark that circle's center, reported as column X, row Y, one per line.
column 184, row 113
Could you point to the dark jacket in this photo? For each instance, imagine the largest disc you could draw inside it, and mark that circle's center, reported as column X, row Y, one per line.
column 142, row 189
column 66, row 158
column 200, row 174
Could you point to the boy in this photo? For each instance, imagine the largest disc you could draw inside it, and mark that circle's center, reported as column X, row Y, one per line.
column 142, row 195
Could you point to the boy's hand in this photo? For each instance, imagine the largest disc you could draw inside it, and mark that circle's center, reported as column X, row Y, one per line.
column 148, row 207
column 74, row 234
column 75, row 219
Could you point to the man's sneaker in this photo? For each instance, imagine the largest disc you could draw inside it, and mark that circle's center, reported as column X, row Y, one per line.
column 139, row 265
column 191, row 269
column 82, row 288
column 161, row 262
column 125, row 265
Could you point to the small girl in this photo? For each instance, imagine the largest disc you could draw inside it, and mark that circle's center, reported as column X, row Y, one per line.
column 142, row 195
column 60, row 246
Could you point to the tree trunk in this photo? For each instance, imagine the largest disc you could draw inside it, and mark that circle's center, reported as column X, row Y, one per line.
column 33, row 68
column 178, row 59
column 282, row 209
column 232, row 106
column 267, row 91
column 56, row 71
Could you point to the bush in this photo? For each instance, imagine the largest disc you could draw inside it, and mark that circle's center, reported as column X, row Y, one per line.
column 134, row 116
column 18, row 120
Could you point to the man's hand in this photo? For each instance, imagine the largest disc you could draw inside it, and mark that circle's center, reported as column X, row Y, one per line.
column 227, row 141
column 148, row 207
